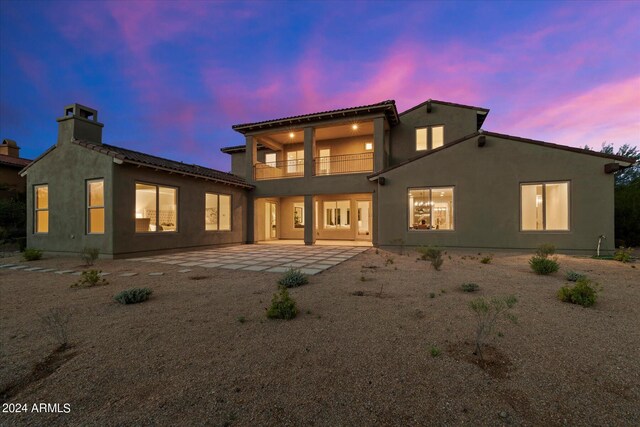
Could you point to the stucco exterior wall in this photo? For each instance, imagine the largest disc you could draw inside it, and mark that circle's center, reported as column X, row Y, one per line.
column 191, row 213
column 458, row 122
column 65, row 170
column 487, row 196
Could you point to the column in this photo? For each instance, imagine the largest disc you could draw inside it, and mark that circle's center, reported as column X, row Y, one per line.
column 309, row 221
column 309, row 151
column 378, row 144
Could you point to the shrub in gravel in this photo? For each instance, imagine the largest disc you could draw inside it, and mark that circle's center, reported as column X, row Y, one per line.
column 623, row 254
column 435, row 351
column 432, row 254
column 54, row 323
column 282, row 306
column 574, row 276
column 90, row 255
column 32, row 254
column 89, row 279
column 543, row 265
column 487, row 314
column 469, row 287
column 293, row 278
column 487, row 259
column 133, row 295
column 545, row 250
column 583, row 293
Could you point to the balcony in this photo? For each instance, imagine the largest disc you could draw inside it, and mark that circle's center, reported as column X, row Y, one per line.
column 278, row 169
column 344, row 163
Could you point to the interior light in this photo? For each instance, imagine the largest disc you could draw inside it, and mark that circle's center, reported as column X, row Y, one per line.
column 291, row 135
column 354, row 126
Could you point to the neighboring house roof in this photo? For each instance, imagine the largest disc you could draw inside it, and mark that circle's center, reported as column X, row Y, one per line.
column 629, row 160
column 387, row 107
column 15, row 162
column 481, row 111
column 141, row 159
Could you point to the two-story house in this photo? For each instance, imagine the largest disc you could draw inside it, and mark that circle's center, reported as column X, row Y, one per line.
column 426, row 176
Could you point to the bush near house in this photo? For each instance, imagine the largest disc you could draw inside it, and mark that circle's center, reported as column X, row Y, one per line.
column 90, row 255
column 574, row 276
column 487, row 315
column 90, row 279
column 282, row 306
column 623, row 254
column 32, row 254
column 469, row 287
column 293, row 278
column 541, row 263
column 545, row 250
column 583, row 293
column 432, row 254
column 133, row 295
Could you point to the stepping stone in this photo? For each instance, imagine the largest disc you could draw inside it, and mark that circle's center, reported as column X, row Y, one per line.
column 46, row 270
column 128, row 274
column 310, row 271
column 33, row 269
column 190, row 264
column 277, row 270
column 173, row 261
column 212, row 265
column 77, row 273
column 159, row 273
column 233, row 266
column 136, row 259
column 256, row 268
column 184, row 270
column 103, row 274
column 18, row 267
column 7, row 265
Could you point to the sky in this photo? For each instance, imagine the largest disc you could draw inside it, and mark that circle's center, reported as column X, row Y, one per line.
column 170, row 78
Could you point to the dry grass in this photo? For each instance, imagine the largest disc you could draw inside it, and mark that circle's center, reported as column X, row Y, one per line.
column 184, row 357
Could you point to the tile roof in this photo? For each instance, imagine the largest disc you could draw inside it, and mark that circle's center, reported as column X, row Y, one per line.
column 11, row 161
column 630, row 160
column 389, row 107
column 143, row 159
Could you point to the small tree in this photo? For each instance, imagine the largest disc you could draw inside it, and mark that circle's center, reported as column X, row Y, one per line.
column 487, row 314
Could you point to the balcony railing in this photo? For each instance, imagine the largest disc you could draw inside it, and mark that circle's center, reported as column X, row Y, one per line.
column 279, row 169
column 345, row 163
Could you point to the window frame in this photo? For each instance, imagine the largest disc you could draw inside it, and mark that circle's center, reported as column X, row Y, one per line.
column 454, row 218
column 89, row 207
column 335, row 217
column 301, row 215
column 295, row 164
column 157, row 186
column 36, row 209
column 544, row 206
column 429, row 137
column 218, row 230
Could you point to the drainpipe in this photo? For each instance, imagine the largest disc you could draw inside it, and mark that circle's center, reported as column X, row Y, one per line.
column 600, row 238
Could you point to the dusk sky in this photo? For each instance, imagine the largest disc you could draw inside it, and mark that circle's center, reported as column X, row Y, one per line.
column 170, row 78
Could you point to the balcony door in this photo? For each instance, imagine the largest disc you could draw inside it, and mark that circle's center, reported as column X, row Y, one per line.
column 325, row 161
column 364, row 220
column 271, row 221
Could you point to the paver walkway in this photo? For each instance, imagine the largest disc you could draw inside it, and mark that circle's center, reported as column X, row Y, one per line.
column 275, row 259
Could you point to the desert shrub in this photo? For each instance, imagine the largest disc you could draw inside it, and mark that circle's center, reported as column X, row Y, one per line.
column 90, row 255
column 31, row 254
column 435, row 351
column 89, row 279
column 574, row 276
column 583, row 293
column 133, row 295
column 282, row 306
column 432, row 295
column 487, row 314
column 623, row 254
column 388, row 260
column 293, row 278
column 543, row 265
column 54, row 323
column 469, row 287
column 432, row 254
column 487, row 259
column 545, row 250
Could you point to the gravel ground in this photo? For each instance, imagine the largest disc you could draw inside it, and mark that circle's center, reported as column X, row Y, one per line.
column 185, row 357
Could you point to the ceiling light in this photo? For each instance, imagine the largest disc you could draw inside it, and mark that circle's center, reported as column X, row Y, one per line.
column 291, row 135
column 354, row 126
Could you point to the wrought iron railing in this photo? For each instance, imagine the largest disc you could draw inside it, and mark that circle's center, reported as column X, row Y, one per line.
column 279, row 169
column 344, row 163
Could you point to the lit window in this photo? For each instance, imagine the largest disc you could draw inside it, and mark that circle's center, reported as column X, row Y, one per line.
column 324, row 164
column 545, row 206
column 431, row 208
column 295, row 162
column 429, row 138
column 217, row 212
column 270, row 159
column 41, row 208
column 368, row 146
column 156, row 208
column 337, row 214
column 298, row 215
column 95, row 206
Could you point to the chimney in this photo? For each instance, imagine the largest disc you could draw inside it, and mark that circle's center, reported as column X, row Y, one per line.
column 9, row 148
column 79, row 122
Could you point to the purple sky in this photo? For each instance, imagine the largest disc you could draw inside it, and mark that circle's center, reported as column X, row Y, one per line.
column 170, row 78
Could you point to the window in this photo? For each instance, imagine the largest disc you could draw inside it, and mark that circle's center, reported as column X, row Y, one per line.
column 545, row 206
column 41, row 193
column 368, row 146
column 156, row 208
column 429, row 138
column 217, row 212
column 325, row 161
column 337, row 214
column 95, row 206
column 298, row 215
column 270, row 159
column 295, row 161
column 431, row 208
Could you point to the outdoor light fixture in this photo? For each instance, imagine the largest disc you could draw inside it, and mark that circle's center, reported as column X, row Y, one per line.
column 354, row 126
column 291, row 134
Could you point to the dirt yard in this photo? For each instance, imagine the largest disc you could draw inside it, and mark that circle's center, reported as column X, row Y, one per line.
column 202, row 352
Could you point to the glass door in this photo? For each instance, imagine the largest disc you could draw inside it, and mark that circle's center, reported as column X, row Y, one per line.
column 364, row 219
column 271, row 224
